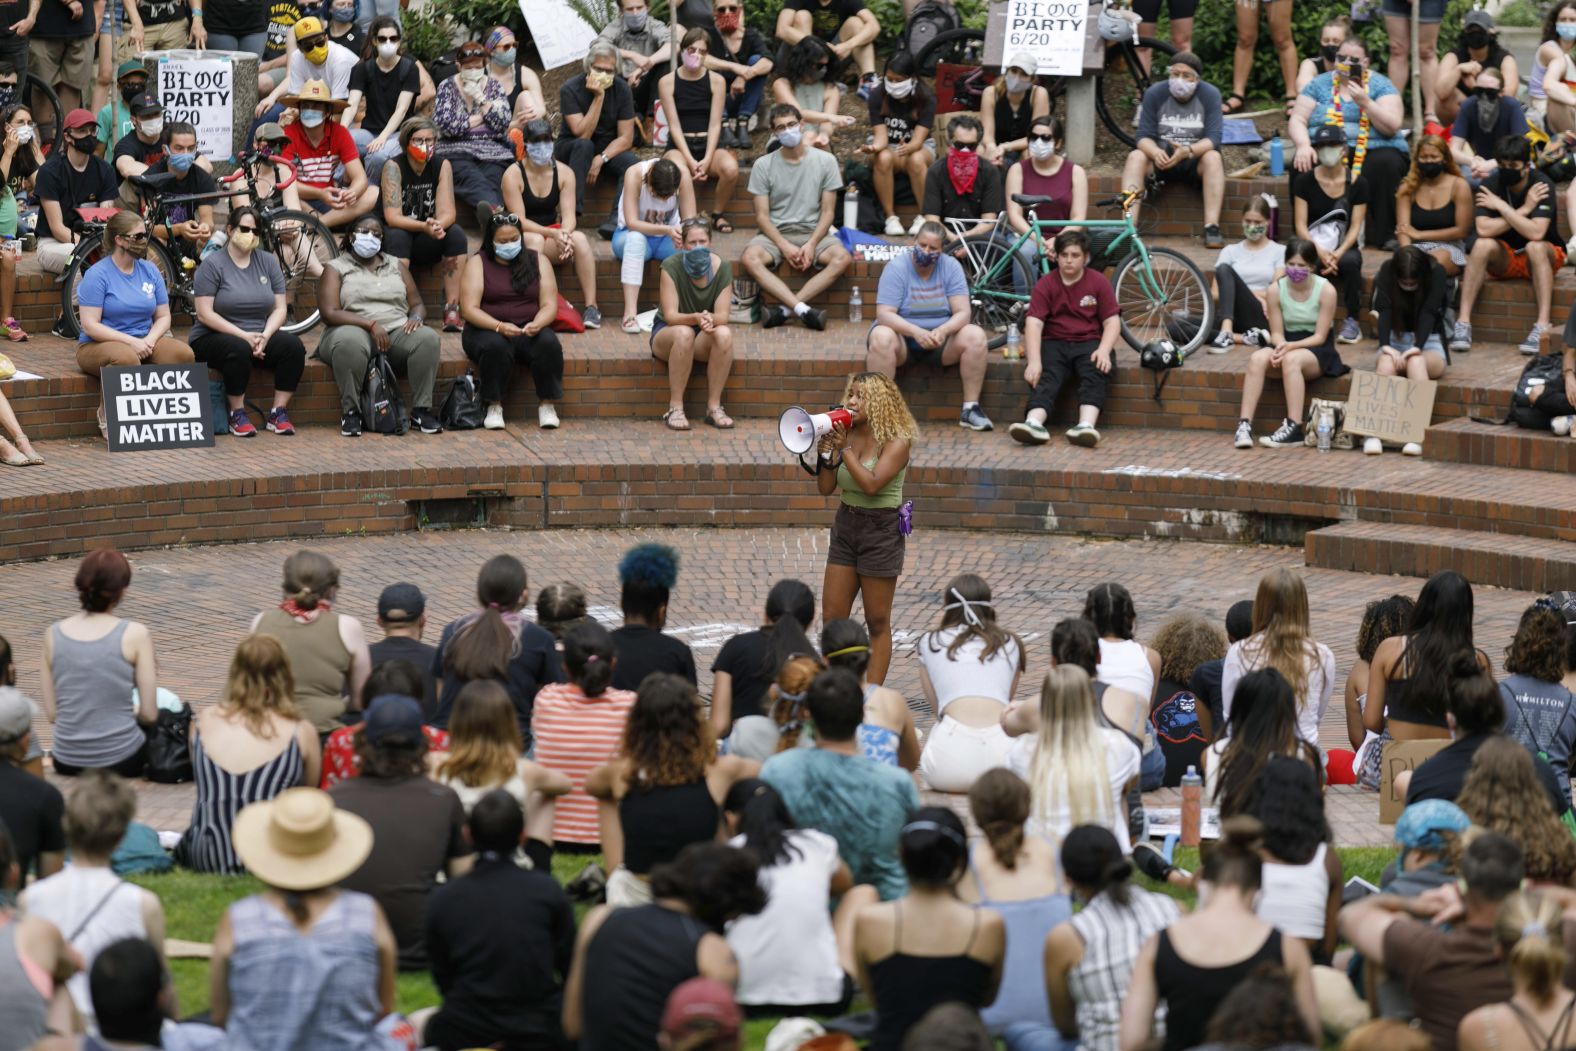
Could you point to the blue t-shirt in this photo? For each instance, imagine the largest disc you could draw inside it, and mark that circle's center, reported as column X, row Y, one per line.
column 922, row 300
column 127, row 300
column 860, row 803
column 1511, row 120
column 1322, row 87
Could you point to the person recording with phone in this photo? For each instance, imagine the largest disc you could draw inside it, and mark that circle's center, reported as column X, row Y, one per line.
column 865, row 462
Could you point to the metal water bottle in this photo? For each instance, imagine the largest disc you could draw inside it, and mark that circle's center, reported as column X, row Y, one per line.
column 1192, row 806
column 851, row 207
column 1277, row 156
column 856, row 306
column 1273, row 204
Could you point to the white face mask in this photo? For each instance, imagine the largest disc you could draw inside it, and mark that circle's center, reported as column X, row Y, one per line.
column 387, row 50
column 900, row 89
column 1041, row 150
column 1016, row 83
column 24, row 134
column 472, row 76
column 1329, row 156
column 151, row 128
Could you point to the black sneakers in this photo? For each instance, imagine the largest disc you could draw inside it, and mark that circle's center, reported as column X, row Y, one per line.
column 1286, row 435
column 350, row 424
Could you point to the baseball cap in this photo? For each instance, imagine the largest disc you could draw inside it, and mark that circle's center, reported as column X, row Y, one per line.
column 1419, row 825
column 1329, row 135
column 16, row 714
column 1481, row 19
column 401, row 603
column 391, row 718
column 704, row 1005
column 80, row 118
column 144, row 103
column 308, row 26
column 130, row 68
column 270, row 132
column 1027, row 61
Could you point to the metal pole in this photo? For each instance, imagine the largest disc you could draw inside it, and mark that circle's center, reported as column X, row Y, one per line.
column 1417, row 76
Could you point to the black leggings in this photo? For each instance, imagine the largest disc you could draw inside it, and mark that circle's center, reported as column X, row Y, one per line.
column 231, row 357
column 495, row 357
column 1349, row 282
column 1238, row 304
column 130, row 767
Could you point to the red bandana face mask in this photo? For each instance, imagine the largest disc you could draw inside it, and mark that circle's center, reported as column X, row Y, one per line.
column 963, row 166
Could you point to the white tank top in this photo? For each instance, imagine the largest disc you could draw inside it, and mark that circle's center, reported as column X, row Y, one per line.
column 68, row 898
column 651, row 209
column 1123, row 666
column 1294, row 897
column 965, row 675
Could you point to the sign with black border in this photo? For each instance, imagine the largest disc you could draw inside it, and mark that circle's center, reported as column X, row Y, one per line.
column 157, row 407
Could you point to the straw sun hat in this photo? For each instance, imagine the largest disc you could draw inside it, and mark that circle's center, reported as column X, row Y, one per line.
column 300, row 841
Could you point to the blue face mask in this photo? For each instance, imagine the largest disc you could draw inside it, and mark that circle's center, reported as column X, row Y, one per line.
column 1566, row 30
column 507, row 252
column 504, row 59
column 697, row 262
column 541, row 153
column 181, row 163
column 925, row 259
column 313, row 118
column 342, row 14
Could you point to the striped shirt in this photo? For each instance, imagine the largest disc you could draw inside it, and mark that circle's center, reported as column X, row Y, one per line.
column 574, row 735
column 206, row 846
column 1112, row 935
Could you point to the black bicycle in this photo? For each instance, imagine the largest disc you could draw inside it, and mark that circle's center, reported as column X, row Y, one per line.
column 44, row 104
column 300, row 240
column 1119, row 87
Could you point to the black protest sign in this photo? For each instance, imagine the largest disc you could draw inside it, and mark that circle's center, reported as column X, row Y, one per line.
column 157, row 407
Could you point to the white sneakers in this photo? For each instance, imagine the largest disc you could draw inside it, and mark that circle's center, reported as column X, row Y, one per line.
column 894, row 227
column 546, row 417
column 1560, row 425
column 1373, row 447
column 913, row 230
column 494, row 419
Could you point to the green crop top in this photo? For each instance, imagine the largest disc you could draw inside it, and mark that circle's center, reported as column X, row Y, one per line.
column 1304, row 316
column 889, row 495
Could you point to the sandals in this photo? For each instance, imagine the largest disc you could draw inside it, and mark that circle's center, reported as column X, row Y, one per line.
column 33, row 459
column 1233, row 104
column 719, row 419
column 630, row 326
column 676, row 420
column 720, row 224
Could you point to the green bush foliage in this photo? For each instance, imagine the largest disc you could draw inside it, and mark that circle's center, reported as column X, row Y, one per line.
column 762, row 14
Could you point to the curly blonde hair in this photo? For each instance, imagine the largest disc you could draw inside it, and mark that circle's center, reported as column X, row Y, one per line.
column 1501, row 793
column 884, row 407
column 1184, row 642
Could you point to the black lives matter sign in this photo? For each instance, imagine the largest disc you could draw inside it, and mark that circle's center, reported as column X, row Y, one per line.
column 157, row 407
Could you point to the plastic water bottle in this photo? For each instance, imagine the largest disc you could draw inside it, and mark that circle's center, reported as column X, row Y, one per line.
column 1324, row 427
column 856, row 306
column 1192, row 806
column 851, row 207
column 1014, row 348
column 215, row 243
column 1277, row 156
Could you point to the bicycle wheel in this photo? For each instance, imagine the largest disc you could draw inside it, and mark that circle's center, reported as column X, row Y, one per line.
column 1172, row 304
column 962, row 47
column 90, row 250
column 1122, row 85
column 998, row 300
column 45, row 104
column 304, row 245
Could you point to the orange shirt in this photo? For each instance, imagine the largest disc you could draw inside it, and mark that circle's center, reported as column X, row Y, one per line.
column 575, row 734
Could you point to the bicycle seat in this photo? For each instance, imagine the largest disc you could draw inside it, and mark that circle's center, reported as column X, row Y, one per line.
column 1030, row 200
column 155, row 183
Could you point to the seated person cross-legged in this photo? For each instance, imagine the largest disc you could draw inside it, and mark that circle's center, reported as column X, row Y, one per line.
column 473, row 113
column 692, row 324
column 795, row 191
column 960, row 186
column 922, row 316
column 543, row 193
column 1434, row 205
column 1071, row 330
column 371, row 305
column 1409, row 297
column 1179, row 135
column 1518, row 238
column 321, row 148
column 71, row 178
column 419, row 212
column 1301, row 308
column 124, row 307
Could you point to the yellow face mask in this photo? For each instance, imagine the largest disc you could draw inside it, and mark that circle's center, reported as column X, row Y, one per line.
column 317, row 55
column 599, row 79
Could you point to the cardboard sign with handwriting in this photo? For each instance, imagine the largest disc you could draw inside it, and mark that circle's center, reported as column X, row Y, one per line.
column 1399, row 756
column 1390, row 408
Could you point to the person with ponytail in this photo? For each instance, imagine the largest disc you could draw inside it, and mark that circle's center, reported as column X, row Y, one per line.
column 887, row 734
column 578, row 726
column 646, row 576
column 927, row 947
column 92, row 662
column 1539, row 1014
column 1015, row 876
column 969, row 668
column 1129, row 666
column 748, row 662
column 1190, row 967
column 1089, row 959
column 329, row 659
column 497, row 643
column 795, row 956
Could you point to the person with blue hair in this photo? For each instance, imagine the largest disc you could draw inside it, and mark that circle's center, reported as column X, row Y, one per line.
column 646, row 575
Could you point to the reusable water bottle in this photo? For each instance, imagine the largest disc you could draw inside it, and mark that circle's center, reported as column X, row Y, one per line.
column 1277, row 156
column 1192, row 804
column 856, row 306
column 851, row 207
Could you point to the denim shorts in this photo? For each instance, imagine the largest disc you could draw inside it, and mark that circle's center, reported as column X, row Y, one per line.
column 1431, row 13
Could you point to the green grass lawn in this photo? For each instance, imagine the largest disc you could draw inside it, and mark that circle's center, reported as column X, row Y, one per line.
column 194, row 903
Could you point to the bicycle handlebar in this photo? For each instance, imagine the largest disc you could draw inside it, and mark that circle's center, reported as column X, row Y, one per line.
column 246, row 160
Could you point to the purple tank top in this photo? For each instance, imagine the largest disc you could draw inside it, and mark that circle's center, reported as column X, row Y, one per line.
column 1058, row 187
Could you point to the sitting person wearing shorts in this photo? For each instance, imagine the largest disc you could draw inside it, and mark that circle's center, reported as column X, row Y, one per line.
column 1179, row 134
column 695, row 300
column 332, row 180
column 1409, row 297
column 1076, row 308
column 1518, row 239
column 922, row 316
column 795, row 190
column 419, row 213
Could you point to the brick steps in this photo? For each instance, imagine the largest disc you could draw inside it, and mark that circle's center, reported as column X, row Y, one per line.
column 1140, row 482
column 1422, row 551
column 1461, row 440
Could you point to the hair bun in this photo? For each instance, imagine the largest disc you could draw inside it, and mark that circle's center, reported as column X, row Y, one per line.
column 1118, row 871
column 1242, row 832
column 1464, row 664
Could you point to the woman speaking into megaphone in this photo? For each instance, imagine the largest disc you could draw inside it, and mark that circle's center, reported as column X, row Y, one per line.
column 864, row 462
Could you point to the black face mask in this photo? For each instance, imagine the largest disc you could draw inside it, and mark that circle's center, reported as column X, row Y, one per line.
column 82, row 143
column 1430, row 169
column 1475, row 38
column 1512, row 179
column 1328, row 52
column 131, row 91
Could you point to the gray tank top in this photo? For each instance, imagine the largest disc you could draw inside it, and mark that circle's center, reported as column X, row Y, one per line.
column 20, row 1003
column 94, row 721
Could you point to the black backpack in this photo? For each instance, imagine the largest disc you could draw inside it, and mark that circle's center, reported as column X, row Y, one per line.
column 169, row 752
column 462, row 408
column 382, row 412
column 930, row 19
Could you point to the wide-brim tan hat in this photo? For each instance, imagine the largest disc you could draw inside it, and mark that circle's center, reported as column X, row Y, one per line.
column 300, row 841
column 315, row 91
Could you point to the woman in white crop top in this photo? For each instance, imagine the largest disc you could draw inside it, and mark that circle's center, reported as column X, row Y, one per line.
column 969, row 667
column 1127, row 665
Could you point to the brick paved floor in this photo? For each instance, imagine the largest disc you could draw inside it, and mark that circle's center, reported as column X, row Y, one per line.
column 198, row 601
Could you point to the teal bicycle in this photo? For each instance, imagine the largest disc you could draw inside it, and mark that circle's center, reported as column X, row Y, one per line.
column 1161, row 293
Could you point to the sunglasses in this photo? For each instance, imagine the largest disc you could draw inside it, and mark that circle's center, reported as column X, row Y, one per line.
column 967, row 147
column 384, row 39
column 136, row 238
column 504, row 219
column 313, row 41
column 1042, row 138
column 246, row 229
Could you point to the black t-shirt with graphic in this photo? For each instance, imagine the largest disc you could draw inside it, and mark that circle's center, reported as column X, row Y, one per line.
column 282, row 17
column 419, row 193
column 137, row 150
column 160, row 12
column 901, row 116
column 197, row 181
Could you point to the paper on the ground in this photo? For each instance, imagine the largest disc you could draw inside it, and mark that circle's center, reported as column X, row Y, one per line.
column 560, row 35
column 20, row 375
column 1167, row 821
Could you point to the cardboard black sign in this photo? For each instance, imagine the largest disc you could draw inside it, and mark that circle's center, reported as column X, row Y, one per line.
column 157, row 407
